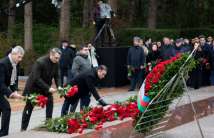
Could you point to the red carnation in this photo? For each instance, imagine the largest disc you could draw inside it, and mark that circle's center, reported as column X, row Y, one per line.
column 72, row 91
column 148, row 87
column 41, row 100
column 155, row 70
column 156, row 78
column 149, row 76
column 98, row 127
column 166, row 62
column 178, row 55
column 174, row 59
column 73, row 125
column 93, row 120
column 80, row 130
column 161, row 68
column 84, row 125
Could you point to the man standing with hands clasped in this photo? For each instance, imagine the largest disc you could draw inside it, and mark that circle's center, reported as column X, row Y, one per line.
column 8, row 87
column 135, row 63
column 44, row 70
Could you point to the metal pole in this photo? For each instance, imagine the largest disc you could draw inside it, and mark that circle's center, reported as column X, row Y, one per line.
column 193, row 108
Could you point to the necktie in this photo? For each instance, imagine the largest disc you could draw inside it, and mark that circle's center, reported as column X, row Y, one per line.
column 13, row 75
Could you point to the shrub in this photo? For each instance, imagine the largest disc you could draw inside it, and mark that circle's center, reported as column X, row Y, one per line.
column 28, row 61
column 4, row 45
column 44, row 38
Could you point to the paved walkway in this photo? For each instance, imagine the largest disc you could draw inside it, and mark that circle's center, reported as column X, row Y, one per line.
column 191, row 130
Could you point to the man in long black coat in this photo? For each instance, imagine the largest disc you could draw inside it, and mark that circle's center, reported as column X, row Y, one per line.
column 135, row 63
column 66, row 61
column 8, row 87
column 86, row 86
column 44, row 70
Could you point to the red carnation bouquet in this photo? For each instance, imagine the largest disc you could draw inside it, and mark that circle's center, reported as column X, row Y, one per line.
column 97, row 116
column 94, row 117
column 68, row 91
column 37, row 100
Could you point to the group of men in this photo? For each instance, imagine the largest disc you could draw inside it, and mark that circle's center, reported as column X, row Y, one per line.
column 44, row 70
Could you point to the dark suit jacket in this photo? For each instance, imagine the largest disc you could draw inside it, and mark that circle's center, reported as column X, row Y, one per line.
column 66, row 59
column 135, row 57
column 86, row 83
column 5, row 77
column 40, row 78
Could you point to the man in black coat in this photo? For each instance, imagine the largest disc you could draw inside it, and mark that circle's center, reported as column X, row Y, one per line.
column 86, row 86
column 8, row 79
column 66, row 61
column 167, row 50
column 212, row 64
column 44, row 70
column 135, row 63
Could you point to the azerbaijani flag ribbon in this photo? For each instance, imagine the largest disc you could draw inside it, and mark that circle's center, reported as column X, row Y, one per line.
column 142, row 99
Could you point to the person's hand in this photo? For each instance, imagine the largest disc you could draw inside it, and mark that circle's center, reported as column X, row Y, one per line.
column 149, row 64
column 60, row 88
column 93, row 22
column 196, row 45
column 141, row 67
column 102, row 102
column 52, row 90
column 16, row 95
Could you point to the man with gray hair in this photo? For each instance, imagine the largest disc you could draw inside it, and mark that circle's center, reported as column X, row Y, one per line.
column 44, row 70
column 8, row 79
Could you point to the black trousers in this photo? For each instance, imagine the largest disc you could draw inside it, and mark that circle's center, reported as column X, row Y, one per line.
column 99, row 24
column 5, row 115
column 195, row 79
column 29, row 108
column 137, row 78
column 73, row 102
column 63, row 73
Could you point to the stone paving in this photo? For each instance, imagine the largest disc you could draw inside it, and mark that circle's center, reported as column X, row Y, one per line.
column 191, row 130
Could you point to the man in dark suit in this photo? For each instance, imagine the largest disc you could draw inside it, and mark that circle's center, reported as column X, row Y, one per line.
column 8, row 79
column 44, row 70
column 85, row 82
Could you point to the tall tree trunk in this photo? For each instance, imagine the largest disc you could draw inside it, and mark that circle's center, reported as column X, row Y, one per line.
column 131, row 11
column 64, row 20
column 28, row 21
column 152, row 15
column 11, row 18
column 113, row 4
column 87, row 9
column 201, row 12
